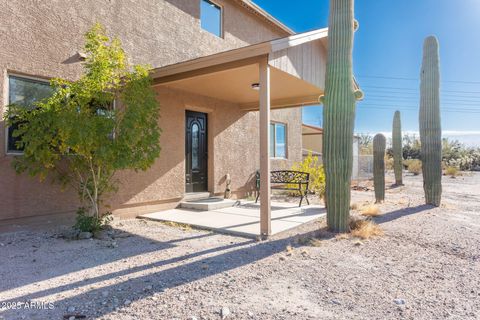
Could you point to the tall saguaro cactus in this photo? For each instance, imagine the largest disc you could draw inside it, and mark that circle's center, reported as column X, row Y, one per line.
column 379, row 145
column 430, row 127
column 397, row 149
column 339, row 114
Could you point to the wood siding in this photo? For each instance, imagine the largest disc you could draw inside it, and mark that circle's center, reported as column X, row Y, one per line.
column 303, row 61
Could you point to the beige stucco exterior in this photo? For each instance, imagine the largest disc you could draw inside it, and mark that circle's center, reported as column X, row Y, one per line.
column 312, row 139
column 41, row 39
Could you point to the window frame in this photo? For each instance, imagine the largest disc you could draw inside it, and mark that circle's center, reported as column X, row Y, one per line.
column 273, row 139
column 221, row 22
column 7, row 102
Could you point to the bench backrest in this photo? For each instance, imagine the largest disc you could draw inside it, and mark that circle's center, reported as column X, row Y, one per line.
column 289, row 176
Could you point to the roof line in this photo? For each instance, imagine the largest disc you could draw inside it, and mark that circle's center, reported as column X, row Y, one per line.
column 264, row 14
column 312, row 127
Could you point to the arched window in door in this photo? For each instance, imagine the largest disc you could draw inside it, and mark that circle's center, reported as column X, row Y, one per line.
column 195, row 146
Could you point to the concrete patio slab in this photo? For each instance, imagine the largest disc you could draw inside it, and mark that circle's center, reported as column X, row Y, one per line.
column 243, row 219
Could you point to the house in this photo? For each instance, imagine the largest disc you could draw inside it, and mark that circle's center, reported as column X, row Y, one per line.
column 229, row 78
column 312, row 142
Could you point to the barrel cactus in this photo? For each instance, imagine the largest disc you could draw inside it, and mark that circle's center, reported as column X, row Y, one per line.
column 339, row 114
column 379, row 145
column 397, row 149
column 430, row 127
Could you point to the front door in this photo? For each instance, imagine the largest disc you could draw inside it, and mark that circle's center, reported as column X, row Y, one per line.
column 196, row 157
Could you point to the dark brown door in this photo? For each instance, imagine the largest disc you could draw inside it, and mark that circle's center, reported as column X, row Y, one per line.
column 196, row 156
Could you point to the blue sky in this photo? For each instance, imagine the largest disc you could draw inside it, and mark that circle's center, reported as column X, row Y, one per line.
column 387, row 58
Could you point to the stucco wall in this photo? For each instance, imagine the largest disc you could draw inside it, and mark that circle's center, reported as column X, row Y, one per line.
column 312, row 142
column 233, row 143
column 41, row 39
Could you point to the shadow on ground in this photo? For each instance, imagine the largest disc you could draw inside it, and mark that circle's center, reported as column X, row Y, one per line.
column 393, row 215
column 176, row 271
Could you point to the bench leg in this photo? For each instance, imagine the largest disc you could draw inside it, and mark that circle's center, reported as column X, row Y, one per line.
column 308, row 202
column 301, row 199
column 258, row 195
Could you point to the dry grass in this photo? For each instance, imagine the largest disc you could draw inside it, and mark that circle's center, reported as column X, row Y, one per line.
column 414, row 166
column 452, row 172
column 289, row 250
column 370, row 211
column 365, row 229
column 184, row 227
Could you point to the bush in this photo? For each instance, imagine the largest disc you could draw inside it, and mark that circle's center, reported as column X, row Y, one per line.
column 89, row 223
column 388, row 163
column 312, row 166
column 452, row 171
column 415, row 166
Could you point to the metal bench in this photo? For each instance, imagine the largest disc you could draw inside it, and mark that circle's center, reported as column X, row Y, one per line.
column 287, row 180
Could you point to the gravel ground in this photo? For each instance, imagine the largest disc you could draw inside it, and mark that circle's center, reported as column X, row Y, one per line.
column 426, row 266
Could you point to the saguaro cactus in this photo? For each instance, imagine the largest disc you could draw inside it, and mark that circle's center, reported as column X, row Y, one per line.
column 397, row 149
column 430, row 127
column 339, row 114
column 379, row 145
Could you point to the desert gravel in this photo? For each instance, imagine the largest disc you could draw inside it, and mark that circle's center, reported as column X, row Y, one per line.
column 426, row 266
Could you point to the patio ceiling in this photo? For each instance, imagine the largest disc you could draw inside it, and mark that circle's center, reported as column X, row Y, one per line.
column 297, row 72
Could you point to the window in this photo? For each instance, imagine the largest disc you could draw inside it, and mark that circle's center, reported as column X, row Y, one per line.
column 24, row 92
column 278, row 140
column 211, row 17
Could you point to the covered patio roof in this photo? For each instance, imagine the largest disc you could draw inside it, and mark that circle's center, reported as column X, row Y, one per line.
column 282, row 73
column 297, row 62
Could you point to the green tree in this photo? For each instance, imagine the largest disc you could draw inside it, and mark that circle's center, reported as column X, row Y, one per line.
column 89, row 129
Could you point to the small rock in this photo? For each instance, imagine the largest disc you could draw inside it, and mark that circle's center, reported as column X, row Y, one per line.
column 282, row 258
column 70, row 234
column 182, row 298
column 225, row 312
column 102, row 235
column 72, row 318
column 84, row 235
column 193, row 318
column 399, row 301
column 336, row 302
column 122, row 235
column 105, row 294
column 127, row 302
column 71, row 309
column 250, row 314
column 112, row 244
column 148, row 288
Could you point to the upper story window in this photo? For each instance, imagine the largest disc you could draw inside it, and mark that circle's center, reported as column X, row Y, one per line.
column 278, row 140
column 211, row 17
column 24, row 92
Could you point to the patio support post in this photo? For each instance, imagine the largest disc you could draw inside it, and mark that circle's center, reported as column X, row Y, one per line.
column 265, row 203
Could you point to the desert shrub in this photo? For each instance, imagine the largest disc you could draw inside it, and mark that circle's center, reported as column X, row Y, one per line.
column 365, row 229
column 452, row 171
column 389, row 163
column 88, row 223
column 370, row 211
column 312, row 165
column 415, row 166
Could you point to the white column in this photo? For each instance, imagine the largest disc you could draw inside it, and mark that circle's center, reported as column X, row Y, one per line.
column 265, row 205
